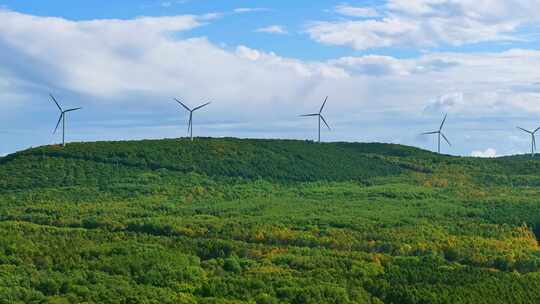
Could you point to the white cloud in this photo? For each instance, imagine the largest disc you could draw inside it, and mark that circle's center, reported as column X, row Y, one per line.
column 271, row 61
column 211, row 16
column 272, row 29
column 429, row 23
column 373, row 65
column 119, row 60
column 243, row 10
column 490, row 152
column 115, row 59
column 352, row 11
column 88, row 56
column 452, row 102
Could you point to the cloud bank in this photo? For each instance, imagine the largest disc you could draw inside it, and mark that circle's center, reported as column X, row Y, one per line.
column 141, row 64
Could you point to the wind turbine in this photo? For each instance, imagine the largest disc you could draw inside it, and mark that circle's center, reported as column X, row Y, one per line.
column 190, row 122
column 533, row 142
column 440, row 134
column 62, row 118
column 320, row 116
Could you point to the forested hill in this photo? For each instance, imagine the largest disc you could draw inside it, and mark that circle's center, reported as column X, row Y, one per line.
column 276, row 160
column 229, row 221
column 283, row 160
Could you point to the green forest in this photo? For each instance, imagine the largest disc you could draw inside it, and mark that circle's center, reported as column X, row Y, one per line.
column 266, row 221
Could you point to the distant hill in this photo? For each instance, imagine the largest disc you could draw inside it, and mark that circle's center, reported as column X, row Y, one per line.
column 283, row 160
column 266, row 221
column 279, row 160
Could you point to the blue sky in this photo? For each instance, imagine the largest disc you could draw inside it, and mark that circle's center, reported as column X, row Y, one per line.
column 392, row 68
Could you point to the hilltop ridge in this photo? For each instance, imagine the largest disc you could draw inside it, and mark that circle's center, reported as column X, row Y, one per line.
column 286, row 160
column 279, row 160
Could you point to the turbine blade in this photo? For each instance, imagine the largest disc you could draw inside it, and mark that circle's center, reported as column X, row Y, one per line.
column 201, row 106
column 427, row 133
column 183, row 105
column 322, row 117
column 74, row 109
column 444, row 120
column 446, row 139
column 534, row 142
column 324, row 103
column 56, row 102
column 308, row 115
column 524, row 130
column 536, row 130
column 58, row 123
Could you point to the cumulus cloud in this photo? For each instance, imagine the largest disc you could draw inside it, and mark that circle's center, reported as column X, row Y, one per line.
column 429, row 23
column 272, row 29
column 115, row 59
column 87, row 56
column 138, row 59
column 353, row 11
column 490, row 152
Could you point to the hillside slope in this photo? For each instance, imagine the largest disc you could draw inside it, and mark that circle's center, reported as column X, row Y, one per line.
column 266, row 221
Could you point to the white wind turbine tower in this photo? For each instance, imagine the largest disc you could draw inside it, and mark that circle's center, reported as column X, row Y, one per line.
column 320, row 117
column 440, row 134
column 533, row 140
column 62, row 119
column 190, row 122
